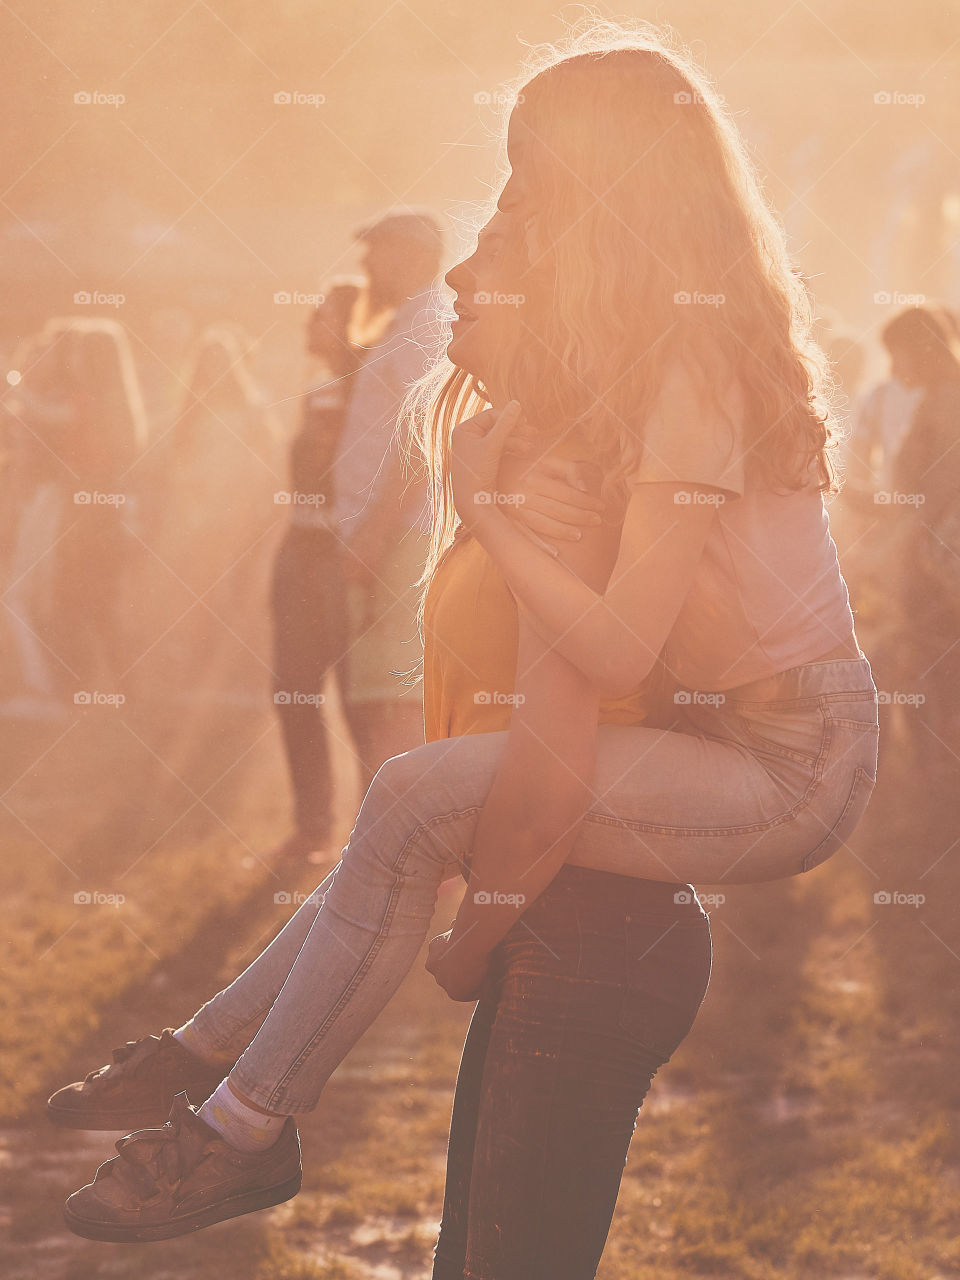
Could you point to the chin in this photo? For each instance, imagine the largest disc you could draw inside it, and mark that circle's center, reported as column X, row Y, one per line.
column 465, row 353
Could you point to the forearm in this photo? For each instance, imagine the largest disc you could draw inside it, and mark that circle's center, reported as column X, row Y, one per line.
column 569, row 615
column 515, row 857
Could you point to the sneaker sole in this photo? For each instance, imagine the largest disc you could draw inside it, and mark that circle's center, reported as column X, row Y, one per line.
column 235, row 1207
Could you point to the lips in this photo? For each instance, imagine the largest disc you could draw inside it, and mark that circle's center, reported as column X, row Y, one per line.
column 463, row 313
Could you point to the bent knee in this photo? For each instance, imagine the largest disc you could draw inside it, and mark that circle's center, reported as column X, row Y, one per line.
column 441, row 776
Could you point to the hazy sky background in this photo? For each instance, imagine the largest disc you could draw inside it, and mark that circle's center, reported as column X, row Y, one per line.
column 199, row 189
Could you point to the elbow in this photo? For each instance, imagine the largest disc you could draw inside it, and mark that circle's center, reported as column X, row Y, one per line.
column 622, row 674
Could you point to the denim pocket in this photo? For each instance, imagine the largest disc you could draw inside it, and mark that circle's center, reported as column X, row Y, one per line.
column 861, row 790
column 790, row 732
column 666, row 972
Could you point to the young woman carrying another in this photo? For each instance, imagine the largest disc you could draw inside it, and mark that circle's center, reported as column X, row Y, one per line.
column 629, row 203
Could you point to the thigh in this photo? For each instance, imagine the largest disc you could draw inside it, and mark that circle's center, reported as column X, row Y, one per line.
column 589, row 1008
column 667, row 805
column 673, row 805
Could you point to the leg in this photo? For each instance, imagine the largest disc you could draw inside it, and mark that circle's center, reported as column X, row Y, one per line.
column 415, row 828
column 382, row 729
column 223, row 1027
column 746, row 820
column 451, row 1251
column 385, row 718
column 596, row 994
column 309, row 634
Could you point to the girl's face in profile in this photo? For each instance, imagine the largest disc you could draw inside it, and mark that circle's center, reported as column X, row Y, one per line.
column 498, row 287
column 489, row 300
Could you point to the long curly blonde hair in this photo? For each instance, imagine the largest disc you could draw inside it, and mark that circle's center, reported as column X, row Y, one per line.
column 645, row 192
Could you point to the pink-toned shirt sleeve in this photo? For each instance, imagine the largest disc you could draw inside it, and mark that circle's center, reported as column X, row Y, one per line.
column 690, row 439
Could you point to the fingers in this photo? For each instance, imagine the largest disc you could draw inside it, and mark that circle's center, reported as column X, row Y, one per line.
column 558, row 496
column 545, row 525
column 566, row 471
column 519, row 447
column 558, row 508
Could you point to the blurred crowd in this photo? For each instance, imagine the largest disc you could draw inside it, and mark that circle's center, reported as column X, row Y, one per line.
column 163, row 539
column 166, row 538
column 897, row 521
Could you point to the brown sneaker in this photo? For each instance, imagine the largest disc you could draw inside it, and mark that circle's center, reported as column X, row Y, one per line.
column 171, row 1181
column 135, row 1091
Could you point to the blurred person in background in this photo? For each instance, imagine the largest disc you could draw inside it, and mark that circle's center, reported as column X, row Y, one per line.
column 869, row 509
column 207, row 488
column 879, row 419
column 702, row 441
column 308, row 592
column 30, row 522
column 165, row 347
column 78, row 426
column 344, row 586
column 923, row 505
column 380, row 509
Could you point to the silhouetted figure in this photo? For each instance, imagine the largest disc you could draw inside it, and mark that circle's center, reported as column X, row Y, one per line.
column 925, row 354
column 208, row 489
column 78, row 425
column 308, row 592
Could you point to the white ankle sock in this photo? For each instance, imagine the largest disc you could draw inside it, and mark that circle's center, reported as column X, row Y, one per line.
column 243, row 1127
column 195, row 1043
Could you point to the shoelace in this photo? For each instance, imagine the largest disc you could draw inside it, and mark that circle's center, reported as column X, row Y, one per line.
column 163, row 1157
column 121, row 1057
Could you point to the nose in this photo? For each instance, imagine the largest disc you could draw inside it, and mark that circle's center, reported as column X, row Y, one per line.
column 510, row 195
column 459, row 278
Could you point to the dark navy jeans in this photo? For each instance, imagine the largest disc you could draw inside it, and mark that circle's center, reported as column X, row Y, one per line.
column 589, row 994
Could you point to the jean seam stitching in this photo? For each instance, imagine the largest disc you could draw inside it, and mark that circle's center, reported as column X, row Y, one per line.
column 375, row 947
column 860, row 776
column 790, row 815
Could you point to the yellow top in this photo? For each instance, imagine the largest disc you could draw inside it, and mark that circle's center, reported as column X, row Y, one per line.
column 471, row 638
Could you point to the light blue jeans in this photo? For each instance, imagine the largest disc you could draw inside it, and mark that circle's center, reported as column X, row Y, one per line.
column 762, row 782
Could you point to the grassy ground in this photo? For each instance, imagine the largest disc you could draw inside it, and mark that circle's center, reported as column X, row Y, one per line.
column 806, row 1130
